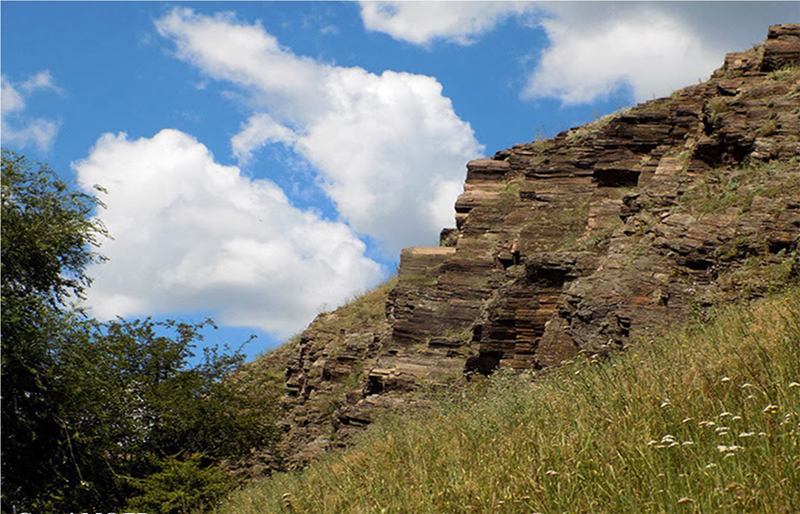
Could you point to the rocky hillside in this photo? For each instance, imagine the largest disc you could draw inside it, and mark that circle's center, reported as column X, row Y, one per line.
column 585, row 242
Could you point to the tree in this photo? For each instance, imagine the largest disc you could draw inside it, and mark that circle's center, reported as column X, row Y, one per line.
column 139, row 413
column 47, row 240
column 99, row 415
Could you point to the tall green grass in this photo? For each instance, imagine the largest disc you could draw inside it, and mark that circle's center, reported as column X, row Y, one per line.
column 706, row 420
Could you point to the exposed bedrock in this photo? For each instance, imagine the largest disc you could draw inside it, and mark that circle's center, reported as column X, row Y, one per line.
column 583, row 242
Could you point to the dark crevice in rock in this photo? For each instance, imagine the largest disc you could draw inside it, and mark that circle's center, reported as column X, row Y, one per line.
column 485, row 363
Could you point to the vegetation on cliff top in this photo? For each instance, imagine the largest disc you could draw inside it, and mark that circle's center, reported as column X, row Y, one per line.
column 705, row 420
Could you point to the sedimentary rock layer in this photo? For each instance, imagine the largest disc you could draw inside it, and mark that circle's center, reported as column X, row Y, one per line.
column 585, row 242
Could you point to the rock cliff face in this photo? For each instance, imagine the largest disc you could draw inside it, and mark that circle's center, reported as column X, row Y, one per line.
column 585, row 242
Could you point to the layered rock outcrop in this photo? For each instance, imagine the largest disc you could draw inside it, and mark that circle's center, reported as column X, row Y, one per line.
column 585, row 242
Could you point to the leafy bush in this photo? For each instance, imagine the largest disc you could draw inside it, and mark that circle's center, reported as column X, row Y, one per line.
column 94, row 412
column 182, row 486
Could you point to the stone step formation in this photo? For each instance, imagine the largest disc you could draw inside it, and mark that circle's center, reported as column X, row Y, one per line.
column 585, row 242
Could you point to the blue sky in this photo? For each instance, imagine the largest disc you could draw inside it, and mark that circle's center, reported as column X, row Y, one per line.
column 265, row 161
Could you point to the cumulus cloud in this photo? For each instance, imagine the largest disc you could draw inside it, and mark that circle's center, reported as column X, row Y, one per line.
column 646, row 50
column 18, row 129
column 596, row 48
column 651, row 48
column 193, row 235
column 424, row 22
column 389, row 149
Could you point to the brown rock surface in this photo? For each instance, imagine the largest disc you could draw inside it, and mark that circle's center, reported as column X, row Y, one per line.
column 579, row 243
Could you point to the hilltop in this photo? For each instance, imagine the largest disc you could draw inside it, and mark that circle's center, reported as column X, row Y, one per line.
column 704, row 420
column 586, row 243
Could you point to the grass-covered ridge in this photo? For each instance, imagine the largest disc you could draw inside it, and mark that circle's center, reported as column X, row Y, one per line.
column 705, row 420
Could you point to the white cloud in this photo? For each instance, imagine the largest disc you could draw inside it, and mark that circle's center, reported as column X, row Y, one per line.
column 329, row 30
column 422, row 23
column 193, row 235
column 41, row 80
column 292, row 86
column 597, row 48
column 389, row 148
column 10, row 100
column 645, row 49
column 652, row 48
column 39, row 132
column 260, row 130
column 386, row 144
column 19, row 130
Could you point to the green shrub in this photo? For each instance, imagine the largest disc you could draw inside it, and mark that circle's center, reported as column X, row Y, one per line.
column 91, row 408
column 182, row 486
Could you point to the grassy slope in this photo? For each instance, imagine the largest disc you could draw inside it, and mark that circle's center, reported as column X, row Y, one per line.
column 707, row 420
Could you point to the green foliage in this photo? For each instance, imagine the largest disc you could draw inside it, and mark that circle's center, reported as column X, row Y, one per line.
column 703, row 420
column 579, row 135
column 366, row 308
column 181, row 486
column 763, row 273
column 92, row 412
column 595, row 240
column 178, row 407
column 46, row 231
column 124, row 399
column 788, row 71
column 767, row 128
column 717, row 106
column 463, row 335
column 509, row 196
column 46, row 239
column 724, row 188
column 128, row 398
